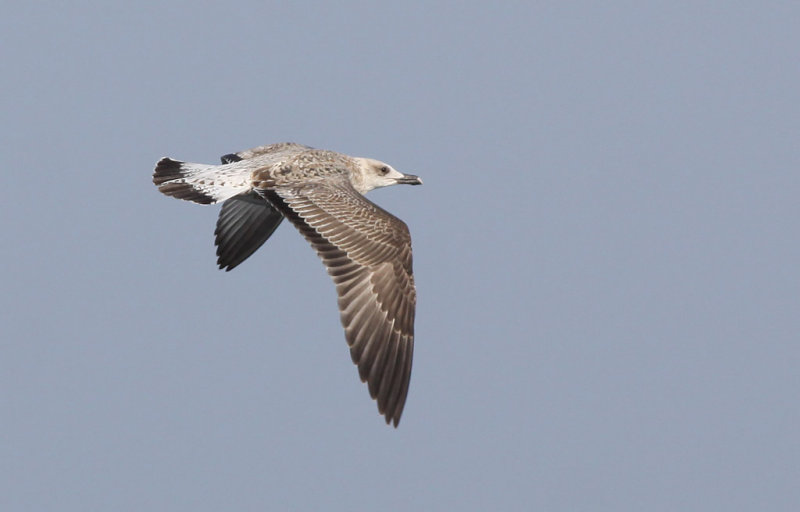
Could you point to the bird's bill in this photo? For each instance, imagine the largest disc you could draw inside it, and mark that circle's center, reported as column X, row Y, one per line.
column 409, row 179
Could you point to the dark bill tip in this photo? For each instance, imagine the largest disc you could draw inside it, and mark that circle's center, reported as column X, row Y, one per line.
column 410, row 179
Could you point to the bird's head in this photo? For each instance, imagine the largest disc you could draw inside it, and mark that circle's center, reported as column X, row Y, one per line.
column 374, row 174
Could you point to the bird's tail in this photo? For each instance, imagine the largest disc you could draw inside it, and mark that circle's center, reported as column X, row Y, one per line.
column 204, row 184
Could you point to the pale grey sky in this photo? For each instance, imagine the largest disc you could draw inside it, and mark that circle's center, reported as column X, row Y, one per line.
column 606, row 254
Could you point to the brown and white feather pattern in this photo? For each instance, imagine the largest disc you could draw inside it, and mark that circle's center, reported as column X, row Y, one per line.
column 367, row 252
column 246, row 221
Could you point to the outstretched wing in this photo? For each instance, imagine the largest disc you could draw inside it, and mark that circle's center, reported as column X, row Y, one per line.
column 367, row 252
column 246, row 221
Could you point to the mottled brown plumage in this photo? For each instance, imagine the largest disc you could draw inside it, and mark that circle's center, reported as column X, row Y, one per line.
column 366, row 250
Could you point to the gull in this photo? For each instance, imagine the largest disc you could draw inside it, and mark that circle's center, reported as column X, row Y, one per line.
column 366, row 250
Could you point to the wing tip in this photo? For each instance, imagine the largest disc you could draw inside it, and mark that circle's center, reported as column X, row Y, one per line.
column 230, row 158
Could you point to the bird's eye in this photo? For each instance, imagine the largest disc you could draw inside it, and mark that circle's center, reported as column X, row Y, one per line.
column 384, row 170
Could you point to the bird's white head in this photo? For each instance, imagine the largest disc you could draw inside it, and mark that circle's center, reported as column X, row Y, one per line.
column 374, row 174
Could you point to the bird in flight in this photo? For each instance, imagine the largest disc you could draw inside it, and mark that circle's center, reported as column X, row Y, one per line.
column 366, row 250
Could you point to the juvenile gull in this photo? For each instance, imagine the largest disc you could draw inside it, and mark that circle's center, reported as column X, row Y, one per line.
column 366, row 250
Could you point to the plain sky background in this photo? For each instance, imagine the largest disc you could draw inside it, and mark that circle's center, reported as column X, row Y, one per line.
column 606, row 256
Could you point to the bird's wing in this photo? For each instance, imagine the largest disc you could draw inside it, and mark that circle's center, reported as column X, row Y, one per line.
column 367, row 252
column 246, row 221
